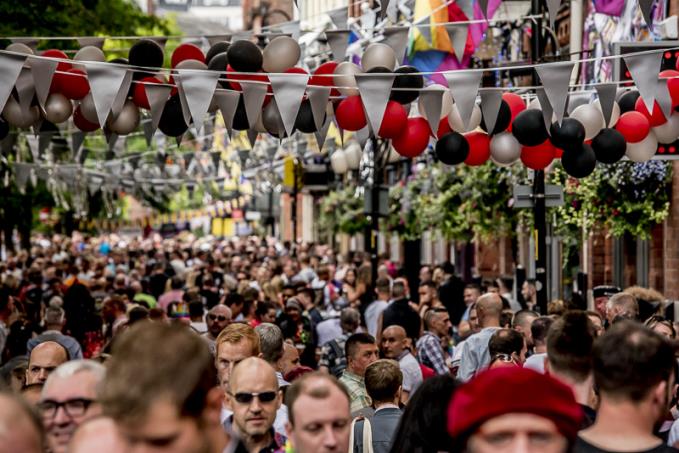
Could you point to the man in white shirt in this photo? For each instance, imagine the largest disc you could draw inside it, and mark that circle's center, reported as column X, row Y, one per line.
column 474, row 355
column 394, row 347
column 375, row 308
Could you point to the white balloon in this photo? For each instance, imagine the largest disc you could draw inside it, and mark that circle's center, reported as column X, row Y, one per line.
column 338, row 162
column 643, row 150
column 127, row 120
column 344, row 77
column 19, row 47
column 615, row 113
column 378, row 55
column 446, row 100
column 353, row 154
column 90, row 53
column 280, row 54
column 668, row 132
column 455, row 120
column 590, row 117
column 504, row 149
column 15, row 116
column 58, row 108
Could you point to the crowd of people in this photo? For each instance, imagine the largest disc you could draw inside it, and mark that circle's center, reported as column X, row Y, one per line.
column 112, row 344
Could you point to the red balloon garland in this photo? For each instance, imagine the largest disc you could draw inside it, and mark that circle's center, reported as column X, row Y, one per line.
column 139, row 94
column 516, row 105
column 538, row 157
column 74, row 84
column 350, row 115
column 479, row 148
column 414, row 138
column 634, row 126
column 656, row 118
column 187, row 51
column 395, row 119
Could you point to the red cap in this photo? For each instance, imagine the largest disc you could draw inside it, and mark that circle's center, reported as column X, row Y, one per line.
column 503, row 391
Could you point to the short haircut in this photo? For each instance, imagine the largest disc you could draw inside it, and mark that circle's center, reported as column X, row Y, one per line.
column 473, row 286
column 630, row 359
column 569, row 345
column 74, row 367
column 263, row 308
column 196, row 308
column 505, row 341
column 270, row 341
column 398, row 290
column 235, row 333
column 430, row 316
column 539, row 329
column 428, row 284
column 383, row 285
column 383, row 378
column 623, row 300
column 54, row 315
column 350, row 319
column 176, row 282
column 351, row 346
column 301, row 387
column 522, row 316
column 156, row 361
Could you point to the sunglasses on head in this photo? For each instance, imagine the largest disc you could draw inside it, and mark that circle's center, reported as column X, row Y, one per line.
column 220, row 318
column 246, row 398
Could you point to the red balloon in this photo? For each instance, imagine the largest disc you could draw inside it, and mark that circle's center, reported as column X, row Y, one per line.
column 414, row 138
column 296, row 70
column 672, row 77
column 394, row 121
column 187, row 52
column 558, row 152
column 74, row 84
column 516, row 105
column 634, row 126
column 656, row 118
column 323, row 76
column 233, row 78
column 55, row 53
column 479, row 148
column 83, row 123
column 350, row 115
column 139, row 95
column 538, row 157
column 444, row 128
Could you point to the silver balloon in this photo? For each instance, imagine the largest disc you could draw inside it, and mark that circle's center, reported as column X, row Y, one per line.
column 378, row 55
column 456, row 123
column 17, row 117
column 19, row 47
column 615, row 113
column 88, row 109
column 446, row 100
column 127, row 121
column 590, row 117
column 344, row 78
column 280, row 54
column 90, row 53
column 58, row 108
column 668, row 132
column 575, row 100
column 504, row 149
column 191, row 64
column 338, row 162
column 272, row 121
column 643, row 150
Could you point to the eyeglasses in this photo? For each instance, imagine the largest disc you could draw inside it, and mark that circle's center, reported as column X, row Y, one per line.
column 246, row 398
column 75, row 407
column 220, row 318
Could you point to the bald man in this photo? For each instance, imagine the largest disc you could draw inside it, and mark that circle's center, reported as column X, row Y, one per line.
column 290, row 359
column 44, row 359
column 475, row 356
column 98, row 434
column 254, row 398
column 394, row 346
column 20, row 429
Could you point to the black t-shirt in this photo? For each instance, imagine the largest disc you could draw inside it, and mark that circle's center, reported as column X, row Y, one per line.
column 400, row 313
column 582, row 446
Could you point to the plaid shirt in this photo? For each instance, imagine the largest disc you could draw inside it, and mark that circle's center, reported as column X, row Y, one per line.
column 430, row 353
column 356, row 388
column 330, row 358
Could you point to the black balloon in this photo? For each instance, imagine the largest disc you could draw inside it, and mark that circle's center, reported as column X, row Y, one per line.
column 452, row 149
column 245, row 56
column 172, row 121
column 146, row 53
column 218, row 63
column 579, row 162
column 571, row 133
column 504, row 117
column 410, row 79
column 4, row 129
column 628, row 100
column 378, row 70
column 609, row 146
column 119, row 60
column 217, row 48
column 529, row 127
column 305, row 118
column 240, row 118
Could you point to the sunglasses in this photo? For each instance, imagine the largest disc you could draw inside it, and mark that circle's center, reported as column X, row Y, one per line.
column 246, row 398
column 219, row 318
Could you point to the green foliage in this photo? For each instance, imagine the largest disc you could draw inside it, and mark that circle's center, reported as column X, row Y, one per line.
column 342, row 211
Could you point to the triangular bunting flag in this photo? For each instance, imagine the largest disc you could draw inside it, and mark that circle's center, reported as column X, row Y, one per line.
column 149, row 130
column 490, row 107
column 607, row 92
column 483, row 6
column 42, row 70
column 105, row 82
column 121, row 97
column 424, row 26
column 397, row 39
column 77, row 139
column 228, row 103
column 339, row 17
column 10, row 68
column 184, row 103
column 338, row 40
column 288, row 89
column 25, row 89
column 547, row 110
column 458, row 37
column 252, row 137
column 253, row 97
column 160, row 40
column 214, row 39
column 34, row 147
column 318, row 97
column 645, row 6
column 464, row 86
column 375, row 90
column 663, row 98
column 322, row 133
column 157, row 95
column 431, row 101
column 21, row 173
column 553, row 9
column 644, row 69
column 198, row 88
column 95, row 41
column 555, row 78
column 362, row 135
column 467, row 7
